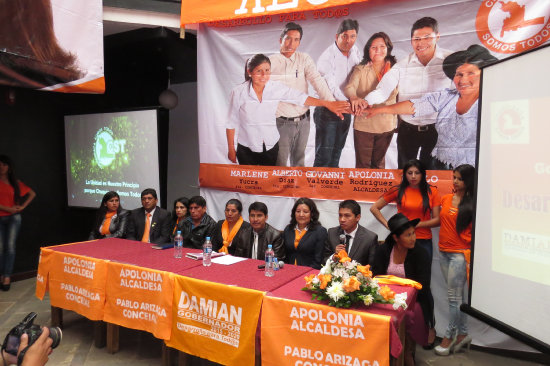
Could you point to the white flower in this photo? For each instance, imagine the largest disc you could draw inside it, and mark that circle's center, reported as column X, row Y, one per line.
column 400, row 300
column 315, row 281
column 367, row 300
column 335, row 291
column 340, row 273
column 326, row 269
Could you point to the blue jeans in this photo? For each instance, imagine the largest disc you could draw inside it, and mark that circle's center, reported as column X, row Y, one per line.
column 9, row 228
column 330, row 137
column 453, row 267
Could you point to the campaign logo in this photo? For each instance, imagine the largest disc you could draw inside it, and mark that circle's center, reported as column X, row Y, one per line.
column 513, row 26
column 510, row 122
column 106, row 147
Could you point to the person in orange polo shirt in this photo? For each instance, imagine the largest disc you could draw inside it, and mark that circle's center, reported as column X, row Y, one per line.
column 415, row 198
column 15, row 196
column 454, row 254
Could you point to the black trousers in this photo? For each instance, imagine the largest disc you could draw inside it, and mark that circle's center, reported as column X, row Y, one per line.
column 245, row 156
column 411, row 138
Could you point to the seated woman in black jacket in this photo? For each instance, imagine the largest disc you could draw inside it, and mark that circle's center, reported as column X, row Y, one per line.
column 304, row 237
column 232, row 227
column 401, row 257
column 179, row 214
column 111, row 219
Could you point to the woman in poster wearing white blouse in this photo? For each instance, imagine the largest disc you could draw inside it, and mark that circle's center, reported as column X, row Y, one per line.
column 252, row 109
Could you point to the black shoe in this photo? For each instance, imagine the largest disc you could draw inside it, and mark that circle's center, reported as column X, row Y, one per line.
column 429, row 346
column 6, row 287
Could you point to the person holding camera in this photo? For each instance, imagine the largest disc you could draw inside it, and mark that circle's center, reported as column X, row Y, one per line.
column 35, row 355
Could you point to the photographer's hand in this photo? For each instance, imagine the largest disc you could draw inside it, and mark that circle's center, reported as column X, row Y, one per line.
column 37, row 354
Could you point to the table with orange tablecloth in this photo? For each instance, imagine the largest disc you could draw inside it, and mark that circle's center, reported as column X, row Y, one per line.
column 205, row 311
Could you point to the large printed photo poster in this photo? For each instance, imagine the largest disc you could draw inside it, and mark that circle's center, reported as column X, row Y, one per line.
column 307, row 150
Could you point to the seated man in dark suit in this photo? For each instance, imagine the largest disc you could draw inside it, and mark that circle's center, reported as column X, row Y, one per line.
column 149, row 223
column 255, row 238
column 359, row 242
column 198, row 225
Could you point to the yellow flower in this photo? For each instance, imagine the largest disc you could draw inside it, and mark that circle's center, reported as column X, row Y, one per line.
column 324, row 279
column 386, row 293
column 309, row 280
column 351, row 284
column 365, row 270
column 343, row 256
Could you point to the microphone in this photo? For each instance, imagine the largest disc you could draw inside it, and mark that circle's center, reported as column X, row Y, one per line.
column 342, row 239
column 281, row 264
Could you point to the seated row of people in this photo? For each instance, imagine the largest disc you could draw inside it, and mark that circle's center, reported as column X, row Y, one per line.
column 304, row 241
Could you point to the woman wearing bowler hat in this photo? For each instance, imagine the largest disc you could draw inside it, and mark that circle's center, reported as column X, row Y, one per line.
column 456, row 121
column 401, row 257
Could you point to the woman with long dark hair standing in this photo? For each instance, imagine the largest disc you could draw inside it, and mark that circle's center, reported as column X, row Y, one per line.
column 305, row 237
column 455, row 238
column 111, row 219
column 15, row 196
column 415, row 198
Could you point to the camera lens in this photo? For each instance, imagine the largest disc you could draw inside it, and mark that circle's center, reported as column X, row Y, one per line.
column 55, row 334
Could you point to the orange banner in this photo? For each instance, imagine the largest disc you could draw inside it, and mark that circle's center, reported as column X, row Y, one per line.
column 200, row 11
column 214, row 321
column 44, row 265
column 77, row 283
column 325, row 183
column 139, row 298
column 298, row 333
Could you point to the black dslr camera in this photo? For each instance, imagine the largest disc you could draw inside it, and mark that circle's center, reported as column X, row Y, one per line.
column 11, row 342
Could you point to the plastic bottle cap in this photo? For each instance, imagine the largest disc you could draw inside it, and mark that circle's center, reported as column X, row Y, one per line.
column 179, row 232
column 207, row 238
column 268, row 246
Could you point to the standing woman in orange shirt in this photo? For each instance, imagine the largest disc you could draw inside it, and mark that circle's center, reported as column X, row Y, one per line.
column 455, row 238
column 416, row 199
column 15, row 196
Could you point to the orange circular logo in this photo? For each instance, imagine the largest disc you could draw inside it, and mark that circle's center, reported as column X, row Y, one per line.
column 513, row 26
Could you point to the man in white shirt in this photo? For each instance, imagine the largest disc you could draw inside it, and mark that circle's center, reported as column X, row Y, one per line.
column 419, row 73
column 360, row 243
column 335, row 64
column 295, row 69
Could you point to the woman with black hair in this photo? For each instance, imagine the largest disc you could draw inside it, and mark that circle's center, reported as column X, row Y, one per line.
column 179, row 214
column 15, row 196
column 371, row 136
column 402, row 257
column 226, row 231
column 415, row 198
column 305, row 237
column 455, row 238
column 252, row 109
column 111, row 218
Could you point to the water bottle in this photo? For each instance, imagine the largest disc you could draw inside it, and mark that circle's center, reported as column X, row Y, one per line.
column 207, row 252
column 269, row 254
column 178, row 245
column 275, row 264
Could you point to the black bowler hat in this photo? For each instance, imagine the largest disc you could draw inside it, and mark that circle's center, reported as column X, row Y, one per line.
column 475, row 55
column 399, row 220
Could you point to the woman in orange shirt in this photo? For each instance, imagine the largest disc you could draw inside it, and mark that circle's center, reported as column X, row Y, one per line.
column 454, row 254
column 111, row 219
column 15, row 196
column 416, row 199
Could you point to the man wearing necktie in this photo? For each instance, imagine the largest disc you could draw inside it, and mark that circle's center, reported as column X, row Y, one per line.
column 359, row 242
column 149, row 223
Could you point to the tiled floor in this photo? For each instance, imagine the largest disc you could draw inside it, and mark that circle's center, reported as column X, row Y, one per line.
column 141, row 348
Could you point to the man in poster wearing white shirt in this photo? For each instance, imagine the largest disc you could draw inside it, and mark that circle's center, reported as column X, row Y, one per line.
column 295, row 69
column 335, row 64
column 419, row 73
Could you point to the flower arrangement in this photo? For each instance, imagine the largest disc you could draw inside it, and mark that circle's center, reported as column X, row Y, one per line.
column 344, row 282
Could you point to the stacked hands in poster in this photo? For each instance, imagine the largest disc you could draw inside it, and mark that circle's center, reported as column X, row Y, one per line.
column 344, row 282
